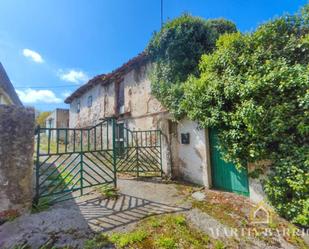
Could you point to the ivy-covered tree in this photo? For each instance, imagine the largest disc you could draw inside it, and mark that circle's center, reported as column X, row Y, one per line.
column 41, row 118
column 255, row 90
column 176, row 51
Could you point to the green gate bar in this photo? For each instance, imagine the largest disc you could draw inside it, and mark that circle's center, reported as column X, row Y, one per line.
column 69, row 160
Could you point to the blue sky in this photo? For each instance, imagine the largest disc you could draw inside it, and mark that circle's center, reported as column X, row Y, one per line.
column 50, row 47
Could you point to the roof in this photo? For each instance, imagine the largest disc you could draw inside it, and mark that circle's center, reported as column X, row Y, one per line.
column 62, row 109
column 7, row 86
column 115, row 75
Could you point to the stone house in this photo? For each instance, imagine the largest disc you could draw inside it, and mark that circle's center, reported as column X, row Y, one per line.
column 59, row 118
column 8, row 95
column 189, row 152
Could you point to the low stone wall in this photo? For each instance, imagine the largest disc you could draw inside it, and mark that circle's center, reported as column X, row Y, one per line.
column 16, row 159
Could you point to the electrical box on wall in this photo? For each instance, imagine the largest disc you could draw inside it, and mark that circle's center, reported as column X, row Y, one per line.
column 185, row 138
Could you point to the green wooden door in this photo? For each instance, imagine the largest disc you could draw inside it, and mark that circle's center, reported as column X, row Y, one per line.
column 225, row 176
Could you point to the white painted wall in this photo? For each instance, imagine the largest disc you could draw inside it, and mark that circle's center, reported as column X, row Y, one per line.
column 193, row 160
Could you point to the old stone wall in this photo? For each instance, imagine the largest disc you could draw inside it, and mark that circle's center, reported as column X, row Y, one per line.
column 137, row 90
column 142, row 110
column 16, row 159
column 139, row 102
column 103, row 105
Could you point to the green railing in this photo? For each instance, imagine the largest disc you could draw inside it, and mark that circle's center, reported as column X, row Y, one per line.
column 71, row 160
column 139, row 151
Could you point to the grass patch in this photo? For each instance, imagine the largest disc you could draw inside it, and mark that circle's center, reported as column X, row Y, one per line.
column 222, row 213
column 52, row 144
column 234, row 212
column 219, row 245
column 160, row 232
column 126, row 239
column 108, row 191
column 42, row 205
column 166, row 243
column 98, row 242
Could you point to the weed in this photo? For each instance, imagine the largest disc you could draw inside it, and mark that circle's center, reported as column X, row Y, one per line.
column 98, row 242
column 219, row 244
column 220, row 212
column 42, row 205
column 179, row 220
column 165, row 243
column 292, row 237
column 125, row 239
column 108, row 192
column 160, row 232
column 154, row 222
column 163, row 232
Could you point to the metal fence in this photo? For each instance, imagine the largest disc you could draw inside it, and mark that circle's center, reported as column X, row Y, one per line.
column 71, row 160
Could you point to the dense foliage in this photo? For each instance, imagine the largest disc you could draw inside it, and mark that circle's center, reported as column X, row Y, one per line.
column 255, row 89
column 41, row 118
column 176, row 51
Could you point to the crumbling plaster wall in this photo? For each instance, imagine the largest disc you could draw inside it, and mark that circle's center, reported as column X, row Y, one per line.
column 193, row 158
column 16, row 158
column 145, row 111
column 103, row 105
column 138, row 98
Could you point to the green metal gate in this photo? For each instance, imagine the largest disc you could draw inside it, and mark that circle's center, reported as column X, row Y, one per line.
column 225, row 175
column 138, row 151
column 70, row 161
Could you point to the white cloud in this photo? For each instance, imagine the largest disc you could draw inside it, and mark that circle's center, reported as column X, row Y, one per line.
column 34, row 96
column 35, row 56
column 66, row 94
column 73, row 76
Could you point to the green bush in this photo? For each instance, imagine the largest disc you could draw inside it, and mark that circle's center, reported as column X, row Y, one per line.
column 176, row 51
column 255, row 90
column 288, row 187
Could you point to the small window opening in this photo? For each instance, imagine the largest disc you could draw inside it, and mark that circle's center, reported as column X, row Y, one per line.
column 78, row 107
column 89, row 102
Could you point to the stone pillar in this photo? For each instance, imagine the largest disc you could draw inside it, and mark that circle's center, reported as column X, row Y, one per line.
column 16, row 159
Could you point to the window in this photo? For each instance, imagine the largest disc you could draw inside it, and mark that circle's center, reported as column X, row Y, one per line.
column 119, row 143
column 119, row 131
column 89, row 101
column 78, row 107
column 50, row 123
column 120, row 100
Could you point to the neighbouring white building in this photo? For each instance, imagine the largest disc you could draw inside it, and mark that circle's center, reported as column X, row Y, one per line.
column 59, row 118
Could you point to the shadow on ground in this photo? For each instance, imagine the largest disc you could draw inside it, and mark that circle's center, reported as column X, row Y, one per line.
column 71, row 222
column 106, row 215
